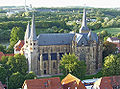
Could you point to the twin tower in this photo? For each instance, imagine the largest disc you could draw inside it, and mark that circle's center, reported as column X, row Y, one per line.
column 45, row 51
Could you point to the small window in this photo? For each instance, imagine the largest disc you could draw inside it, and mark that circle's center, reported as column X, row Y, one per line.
column 53, row 64
column 30, row 43
column 34, row 43
column 44, row 71
column 26, row 41
column 46, row 84
column 44, row 64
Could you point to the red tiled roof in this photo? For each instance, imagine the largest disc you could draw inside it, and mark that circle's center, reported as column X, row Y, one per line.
column 19, row 45
column 48, row 83
column 2, row 54
column 72, row 82
column 109, row 82
column 1, row 85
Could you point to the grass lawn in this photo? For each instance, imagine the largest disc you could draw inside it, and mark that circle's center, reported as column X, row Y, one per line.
column 109, row 30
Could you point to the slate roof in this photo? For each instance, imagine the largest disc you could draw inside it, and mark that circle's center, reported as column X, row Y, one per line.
column 55, row 39
column 47, row 83
column 64, row 38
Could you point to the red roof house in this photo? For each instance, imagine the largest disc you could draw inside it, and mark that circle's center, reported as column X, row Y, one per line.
column 71, row 82
column 2, row 54
column 48, row 83
column 112, row 82
column 18, row 46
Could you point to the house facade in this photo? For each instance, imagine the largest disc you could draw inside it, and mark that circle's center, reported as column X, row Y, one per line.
column 44, row 51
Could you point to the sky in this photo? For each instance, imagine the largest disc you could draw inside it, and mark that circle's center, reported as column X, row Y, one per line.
column 62, row 3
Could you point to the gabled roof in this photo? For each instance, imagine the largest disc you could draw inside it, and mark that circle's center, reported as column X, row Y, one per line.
column 48, row 83
column 1, row 54
column 19, row 45
column 108, row 82
column 55, row 39
column 92, row 36
column 71, row 80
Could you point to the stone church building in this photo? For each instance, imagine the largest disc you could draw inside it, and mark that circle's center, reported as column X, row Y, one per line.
column 44, row 51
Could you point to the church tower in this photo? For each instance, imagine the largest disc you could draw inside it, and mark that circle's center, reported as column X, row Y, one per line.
column 27, row 33
column 33, row 48
column 84, row 28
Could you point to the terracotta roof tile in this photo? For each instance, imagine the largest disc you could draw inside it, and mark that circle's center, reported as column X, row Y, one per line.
column 109, row 82
column 48, row 83
column 19, row 45
column 72, row 82
column 1, row 54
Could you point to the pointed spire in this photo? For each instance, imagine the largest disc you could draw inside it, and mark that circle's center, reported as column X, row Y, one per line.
column 33, row 31
column 27, row 33
column 84, row 28
column 90, row 35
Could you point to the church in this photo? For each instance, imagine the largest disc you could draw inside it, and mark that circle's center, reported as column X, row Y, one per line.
column 44, row 51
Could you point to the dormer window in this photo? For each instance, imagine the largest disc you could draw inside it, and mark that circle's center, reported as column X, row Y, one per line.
column 46, row 84
column 82, row 43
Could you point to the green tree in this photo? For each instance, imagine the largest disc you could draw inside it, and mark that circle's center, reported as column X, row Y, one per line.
column 17, row 34
column 71, row 64
column 21, row 63
column 111, row 65
column 3, row 74
column 108, row 48
column 18, row 63
column 16, row 80
column 30, row 75
column 2, row 48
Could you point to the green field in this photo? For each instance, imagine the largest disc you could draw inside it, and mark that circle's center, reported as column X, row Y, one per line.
column 109, row 30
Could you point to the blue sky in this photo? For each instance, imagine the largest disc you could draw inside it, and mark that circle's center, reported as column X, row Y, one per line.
column 62, row 3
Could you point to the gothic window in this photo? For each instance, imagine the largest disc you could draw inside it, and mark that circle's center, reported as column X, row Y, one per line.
column 39, row 57
column 45, row 56
column 53, row 56
column 44, row 64
column 53, row 64
column 44, row 71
